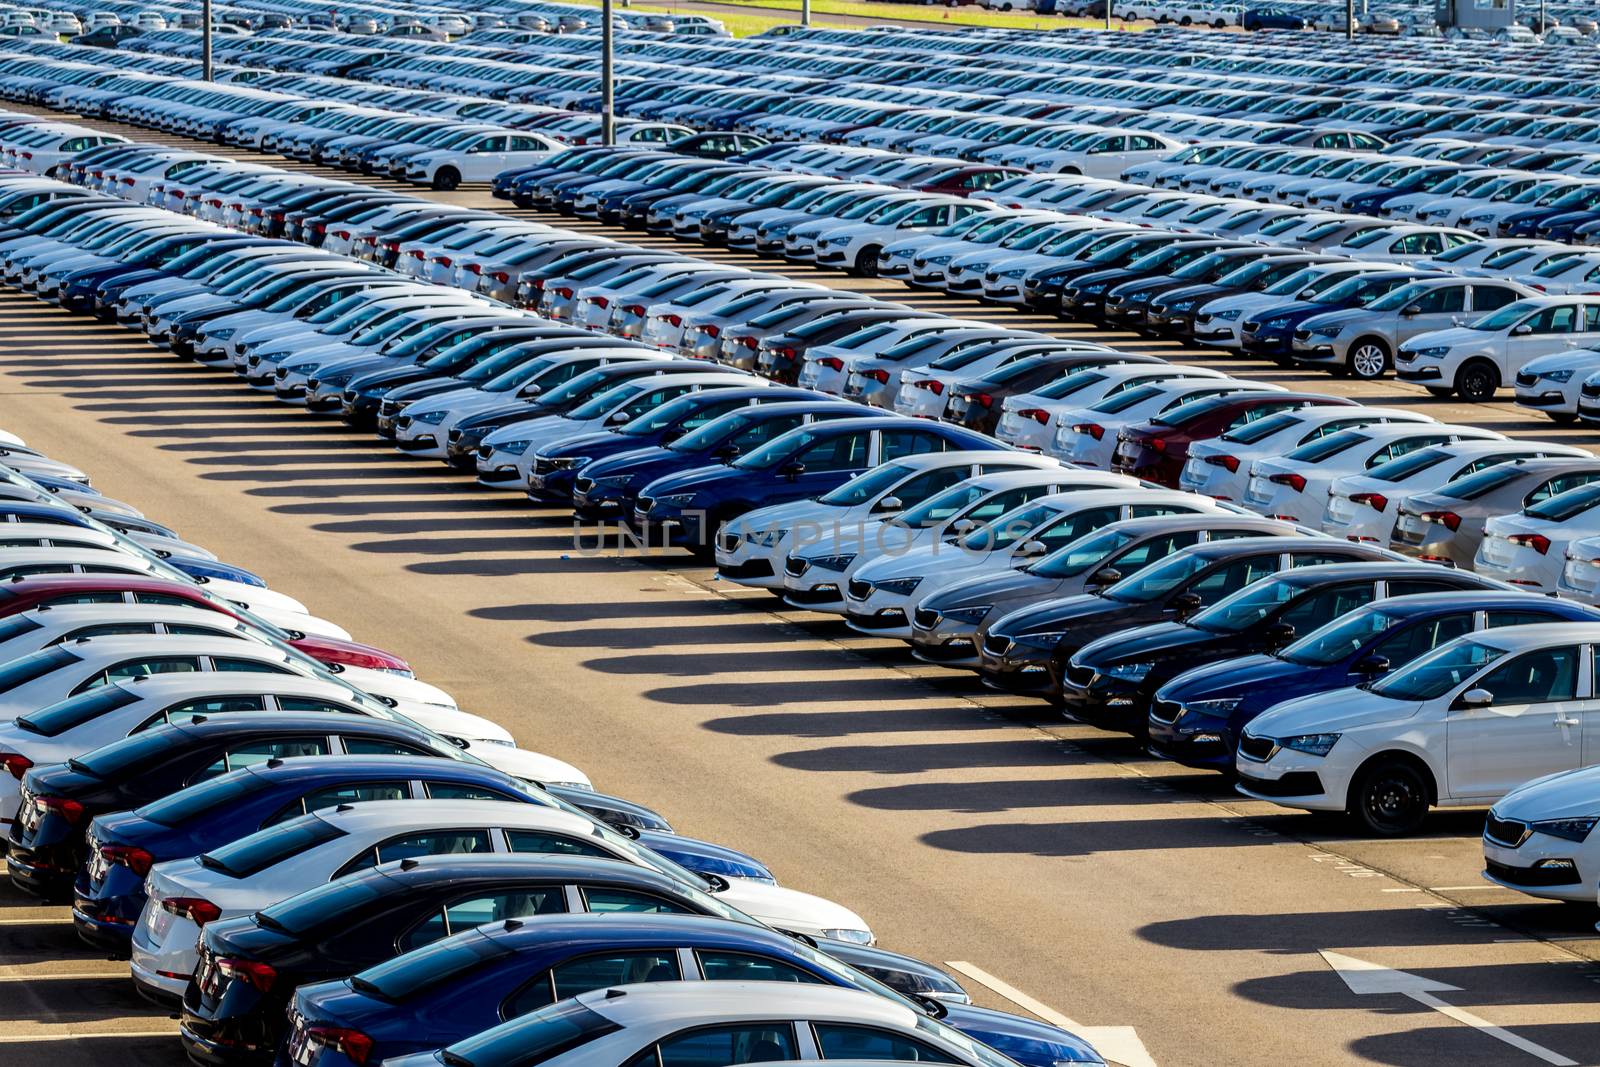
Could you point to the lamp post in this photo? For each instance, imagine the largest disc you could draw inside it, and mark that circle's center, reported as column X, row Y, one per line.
column 608, row 130
column 805, row 13
column 205, row 40
column 1350, row 20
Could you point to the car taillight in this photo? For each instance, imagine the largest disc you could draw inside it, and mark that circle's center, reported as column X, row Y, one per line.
column 750, row 342
column 416, row 253
column 390, row 246
column 342, row 235
column 1094, row 430
column 599, row 302
column 1039, row 415
column 983, row 399
column 194, row 909
column 634, row 309
column 1538, row 542
column 831, row 362
column 565, row 292
column 500, row 276
column 16, row 763
column 318, row 227
column 473, row 268
column 258, row 974
column 1449, row 519
column 711, row 331
column 1297, row 482
column 1157, row 443
column 932, row 385
column 536, row 283
column 1230, row 462
column 69, row 810
column 1375, row 501
column 673, row 320
column 880, row 376
column 136, row 860
column 443, row 261
column 352, row 1044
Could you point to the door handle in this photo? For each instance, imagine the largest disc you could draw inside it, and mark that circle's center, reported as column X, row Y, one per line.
column 1569, row 722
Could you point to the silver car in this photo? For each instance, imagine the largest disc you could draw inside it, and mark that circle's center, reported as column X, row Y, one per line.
column 1445, row 525
column 1362, row 341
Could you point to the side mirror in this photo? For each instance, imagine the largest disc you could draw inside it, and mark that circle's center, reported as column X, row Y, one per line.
column 1473, row 698
column 726, row 452
column 1370, row 665
column 669, row 436
column 1521, row 331
column 889, row 503
column 1280, row 634
column 960, row 526
column 528, row 392
column 1033, row 548
column 1105, row 576
column 792, row 471
column 1185, row 603
column 1410, row 310
column 616, row 418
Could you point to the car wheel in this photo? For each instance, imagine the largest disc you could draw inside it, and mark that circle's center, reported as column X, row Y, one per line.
column 1186, row 21
column 1390, row 796
column 1477, row 380
column 1438, row 391
column 1563, row 418
column 1219, row 24
column 1368, row 359
column 446, row 179
column 866, row 265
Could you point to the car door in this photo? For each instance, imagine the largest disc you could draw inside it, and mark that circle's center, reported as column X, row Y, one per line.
column 584, row 974
column 1489, row 297
column 484, row 158
column 1437, row 309
column 1532, row 726
column 820, row 466
column 1104, row 159
column 725, row 1046
column 1550, row 329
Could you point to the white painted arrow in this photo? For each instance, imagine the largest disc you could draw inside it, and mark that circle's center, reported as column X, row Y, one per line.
column 1369, row 979
column 1116, row 1044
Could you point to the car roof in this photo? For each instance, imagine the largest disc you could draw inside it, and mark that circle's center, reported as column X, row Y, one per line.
column 543, row 931
column 380, row 815
column 112, row 646
column 1537, row 635
column 1483, row 600
column 654, row 1002
column 1393, row 566
column 956, row 458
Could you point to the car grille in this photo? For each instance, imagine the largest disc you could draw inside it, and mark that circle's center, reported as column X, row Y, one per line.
column 794, row 566
column 1166, row 711
column 583, row 485
column 997, row 644
column 544, row 465
column 729, row 542
column 859, row 590
column 1250, row 325
column 925, row 618
column 349, row 396
column 1532, row 876
column 1257, row 748
column 389, row 407
column 1591, row 388
column 1083, row 676
column 1302, row 335
column 1524, row 378
column 645, row 503
column 1507, row 832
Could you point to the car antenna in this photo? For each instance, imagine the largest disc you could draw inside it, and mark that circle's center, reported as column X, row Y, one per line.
column 514, row 924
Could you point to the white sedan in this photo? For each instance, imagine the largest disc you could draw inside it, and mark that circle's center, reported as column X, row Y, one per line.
column 480, row 160
column 1529, row 548
column 1539, row 838
column 1028, row 420
column 1088, row 436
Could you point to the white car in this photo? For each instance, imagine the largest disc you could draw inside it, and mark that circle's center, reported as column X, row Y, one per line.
column 1028, row 420
column 1580, row 577
column 1088, row 436
column 1529, row 548
column 1294, row 487
column 1365, row 507
column 1106, row 154
column 1216, row 322
column 1473, row 360
column 1407, row 245
column 734, row 1022
column 314, row 849
column 751, row 548
column 1539, row 838
column 1220, row 467
column 1553, row 384
column 1460, row 727
column 480, row 160
column 881, row 595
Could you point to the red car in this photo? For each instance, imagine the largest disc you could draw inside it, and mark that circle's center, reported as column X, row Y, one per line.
column 25, row 594
column 1157, row 450
column 962, row 179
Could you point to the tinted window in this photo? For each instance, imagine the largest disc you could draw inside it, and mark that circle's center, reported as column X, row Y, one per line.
column 722, row 1046
column 196, row 800
column 248, row 666
column 1412, row 641
column 426, row 968
column 434, row 843
column 332, row 796
column 22, row 671
column 459, row 791
column 742, row 967
column 598, row 899
column 475, row 911
column 377, row 746
column 864, row 1043
column 338, row 902
column 589, row 973
column 68, row 714
column 266, row 848
column 254, row 752
column 1534, row 677
column 538, row 841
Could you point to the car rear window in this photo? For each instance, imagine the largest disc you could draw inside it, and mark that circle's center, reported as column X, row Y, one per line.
column 315, row 907
column 534, row 1038
column 73, row 712
column 118, row 756
column 429, row 967
column 178, row 808
column 20, row 672
column 1194, row 409
column 18, row 625
column 1485, row 481
column 265, row 848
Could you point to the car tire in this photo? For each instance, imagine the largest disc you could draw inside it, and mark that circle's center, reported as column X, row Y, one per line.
column 1438, row 391
column 1390, row 796
column 1563, row 418
column 866, row 264
column 1368, row 359
column 446, row 179
column 1477, row 380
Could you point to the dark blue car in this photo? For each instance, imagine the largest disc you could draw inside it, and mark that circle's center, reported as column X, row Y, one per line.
column 475, row 980
column 1197, row 717
column 556, row 465
column 1270, row 332
column 686, row 509
column 123, row 845
column 607, row 487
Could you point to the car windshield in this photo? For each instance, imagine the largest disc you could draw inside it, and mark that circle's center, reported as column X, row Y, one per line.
column 1157, row 581
column 1564, row 506
column 175, row 809
column 1341, row 638
column 73, row 712
column 1504, row 318
column 1239, row 611
column 1440, row 671
column 1081, row 554
column 868, row 486
column 534, row 1038
column 1009, row 528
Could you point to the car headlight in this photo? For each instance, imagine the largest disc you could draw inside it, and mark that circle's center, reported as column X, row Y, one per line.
column 1014, row 272
column 1219, row 707
column 1230, row 314
column 1043, row 639
column 1326, row 331
column 432, row 418
column 1272, row 324
column 228, row 331
column 677, row 500
column 855, row 937
column 940, row 260
column 900, row 586
column 1311, row 744
column 1129, row 672
column 973, row 613
column 1557, row 375
column 1567, row 829
column 513, row 448
column 615, row 481
column 1435, row 352
column 834, row 563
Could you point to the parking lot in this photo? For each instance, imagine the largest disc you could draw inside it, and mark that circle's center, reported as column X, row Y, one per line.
column 1053, row 867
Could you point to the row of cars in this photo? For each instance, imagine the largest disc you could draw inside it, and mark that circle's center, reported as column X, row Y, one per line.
column 1203, row 596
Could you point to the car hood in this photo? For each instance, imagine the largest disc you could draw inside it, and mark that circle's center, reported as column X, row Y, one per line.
column 699, row 478
column 989, row 587
column 1565, row 795
column 1577, row 359
column 1015, row 1035
column 777, row 517
column 1331, row 712
column 1341, row 318
column 1455, row 335
column 1230, row 677
column 1162, row 639
column 789, row 909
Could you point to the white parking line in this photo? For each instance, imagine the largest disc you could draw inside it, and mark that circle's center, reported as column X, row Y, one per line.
column 1118, row 1044
column 17, row 1039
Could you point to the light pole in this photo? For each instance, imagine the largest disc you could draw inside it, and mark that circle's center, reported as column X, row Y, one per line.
column 608, row 131
column 1350, row 20
column 205, row 40
column 805, row 13
column 1108, row 14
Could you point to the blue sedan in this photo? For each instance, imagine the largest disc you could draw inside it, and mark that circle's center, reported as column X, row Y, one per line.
column 1197, row 717
column 457, row 987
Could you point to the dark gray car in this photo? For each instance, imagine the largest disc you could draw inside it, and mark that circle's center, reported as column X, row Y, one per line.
column 1446, row 524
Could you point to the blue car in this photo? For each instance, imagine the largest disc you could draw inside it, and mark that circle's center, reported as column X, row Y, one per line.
column 1197, row 717
column 686, row 509
column 607, row 487
column 556, row 464
column 123, row 845
column 1270, row 331
column 472, row 981
column 202, row 569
